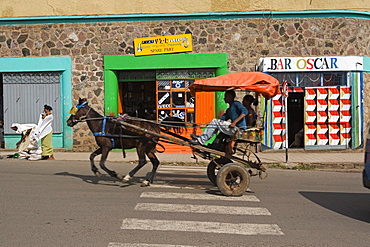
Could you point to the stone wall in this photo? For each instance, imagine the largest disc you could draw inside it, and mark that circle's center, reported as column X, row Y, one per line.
column 245, row 40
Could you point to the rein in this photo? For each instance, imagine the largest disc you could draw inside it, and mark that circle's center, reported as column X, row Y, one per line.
column 103, row 133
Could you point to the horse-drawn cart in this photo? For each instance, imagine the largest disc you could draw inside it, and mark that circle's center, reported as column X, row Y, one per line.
column 228, row 171
column 230, row 165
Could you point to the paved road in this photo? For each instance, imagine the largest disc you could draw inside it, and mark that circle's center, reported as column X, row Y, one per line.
column 62, row 204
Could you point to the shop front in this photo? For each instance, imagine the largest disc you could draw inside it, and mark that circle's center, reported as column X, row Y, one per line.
column 324, row 107
column 155, row 87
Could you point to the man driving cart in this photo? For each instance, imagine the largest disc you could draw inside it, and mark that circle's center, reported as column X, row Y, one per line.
column 236, row 113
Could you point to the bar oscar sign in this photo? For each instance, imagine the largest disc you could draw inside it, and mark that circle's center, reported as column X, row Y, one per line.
column 163, row 44
column 298, row 64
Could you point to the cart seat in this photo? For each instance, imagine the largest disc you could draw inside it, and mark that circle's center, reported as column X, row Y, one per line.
column 254, row 134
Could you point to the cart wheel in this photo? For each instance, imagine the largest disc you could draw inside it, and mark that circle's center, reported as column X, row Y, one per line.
column 250, row 155
column 213, row 168
column 233, row 179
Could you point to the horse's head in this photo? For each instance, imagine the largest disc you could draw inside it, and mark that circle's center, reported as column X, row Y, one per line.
column 78, row 112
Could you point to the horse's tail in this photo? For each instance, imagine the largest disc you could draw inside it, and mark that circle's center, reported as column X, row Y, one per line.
column 163, row 147
column 159, row 144
column 176, row 124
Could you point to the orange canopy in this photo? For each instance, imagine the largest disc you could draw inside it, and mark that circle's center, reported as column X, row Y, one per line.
column 258, row 82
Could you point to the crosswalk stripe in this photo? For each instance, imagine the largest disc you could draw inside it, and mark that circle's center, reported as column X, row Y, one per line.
column 182, row 168
column 167, row 195
column 114, row 244
column 165, row 186
column 205, row 209
column 199, row 226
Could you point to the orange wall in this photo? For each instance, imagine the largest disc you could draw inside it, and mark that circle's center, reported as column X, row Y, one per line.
column 204, row 107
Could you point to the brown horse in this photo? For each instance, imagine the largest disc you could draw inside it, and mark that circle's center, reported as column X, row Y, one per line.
column 108, row 135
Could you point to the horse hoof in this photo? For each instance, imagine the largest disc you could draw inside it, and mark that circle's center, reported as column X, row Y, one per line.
column 119, row 176
column 126, row 179
column 145, row 183
column 98, row 174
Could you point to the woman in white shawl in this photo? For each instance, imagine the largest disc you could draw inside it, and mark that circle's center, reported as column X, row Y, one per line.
column 27, row 149
column 44, row 132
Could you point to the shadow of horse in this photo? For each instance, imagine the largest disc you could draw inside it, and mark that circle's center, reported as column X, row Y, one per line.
column 102, row 180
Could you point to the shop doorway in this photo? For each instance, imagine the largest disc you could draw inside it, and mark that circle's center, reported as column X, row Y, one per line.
column 296, row 120
column 138, row 99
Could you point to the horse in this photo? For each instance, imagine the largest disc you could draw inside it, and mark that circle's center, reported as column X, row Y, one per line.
column 109, row 134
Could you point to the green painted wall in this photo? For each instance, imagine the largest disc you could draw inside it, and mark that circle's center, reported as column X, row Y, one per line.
column 357, row 109
column 218, row 61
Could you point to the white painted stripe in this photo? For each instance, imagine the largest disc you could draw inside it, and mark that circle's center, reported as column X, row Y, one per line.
column 166, row 172
column 161, row 186
column 114, row 244
column 166, row 195
column 186, row 168
column 199, row 226
column 202, row 209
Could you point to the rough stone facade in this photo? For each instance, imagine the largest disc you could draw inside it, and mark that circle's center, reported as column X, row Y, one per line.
column 245, row 40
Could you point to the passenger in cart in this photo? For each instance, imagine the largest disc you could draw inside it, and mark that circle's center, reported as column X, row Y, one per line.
column 251, row 117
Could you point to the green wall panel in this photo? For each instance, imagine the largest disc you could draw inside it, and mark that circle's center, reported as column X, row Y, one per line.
column 218, row 61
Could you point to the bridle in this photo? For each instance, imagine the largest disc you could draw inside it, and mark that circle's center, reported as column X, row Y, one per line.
column 74, row 110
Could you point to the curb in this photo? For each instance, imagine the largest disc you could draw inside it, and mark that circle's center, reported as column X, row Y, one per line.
column 327, row 166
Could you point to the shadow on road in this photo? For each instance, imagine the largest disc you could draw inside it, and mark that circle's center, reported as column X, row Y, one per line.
column 353, row 205
column 183, row 180
column 102, row 180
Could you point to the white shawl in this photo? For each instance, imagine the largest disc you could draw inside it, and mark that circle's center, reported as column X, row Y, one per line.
column 23, row 127
column 43, row 127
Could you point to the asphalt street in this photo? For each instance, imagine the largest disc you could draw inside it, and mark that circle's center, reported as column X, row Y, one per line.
column 61, row 203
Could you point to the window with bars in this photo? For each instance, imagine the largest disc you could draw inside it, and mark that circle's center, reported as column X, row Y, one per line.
column 173, row 93
column 174, row 99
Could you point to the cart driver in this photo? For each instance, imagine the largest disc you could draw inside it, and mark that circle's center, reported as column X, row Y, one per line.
column 236, row 113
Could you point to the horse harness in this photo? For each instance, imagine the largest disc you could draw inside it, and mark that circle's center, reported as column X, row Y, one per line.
column 103, row 133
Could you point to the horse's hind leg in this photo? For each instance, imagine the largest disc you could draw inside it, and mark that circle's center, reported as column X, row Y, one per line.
column 153, row 158
column 104, row 156
column 94, row 169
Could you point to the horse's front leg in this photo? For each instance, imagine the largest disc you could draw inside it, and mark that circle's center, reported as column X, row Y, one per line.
column 142, row 162
column 155, row 162
column 94, row 169
column 104, row 156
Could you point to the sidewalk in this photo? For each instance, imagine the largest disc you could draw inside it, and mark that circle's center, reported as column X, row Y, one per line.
column 321, row 159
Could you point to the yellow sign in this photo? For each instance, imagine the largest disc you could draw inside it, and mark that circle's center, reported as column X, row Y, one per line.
column 163, row 44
